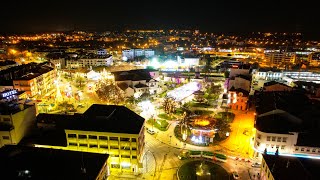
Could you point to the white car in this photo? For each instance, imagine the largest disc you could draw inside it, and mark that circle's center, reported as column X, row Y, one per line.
column 150, row 131
column 257, row 165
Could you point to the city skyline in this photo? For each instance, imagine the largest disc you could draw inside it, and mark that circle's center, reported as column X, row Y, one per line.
column 209, row 17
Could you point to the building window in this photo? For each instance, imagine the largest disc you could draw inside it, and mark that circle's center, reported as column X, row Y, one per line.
column 134, row 157
column 297, row 149
column 114, row 138
column 273, row 138
column 259, row 136
column 277, row 146
column 72, row 135
column 92, row 137
column 103, row 147
column 267, row 145
column 103, row 137
column 313, row 150
column 6, row 137
column 308, row 150
column 133, row 140
column 114, row 155
column 83, row 145
column 272, row 145
column 282, row 147
column 133, row 148
column 279, row 139
column 82, row 136
column 114, row 147
column 125, row 156
column 93, row 146
column 302, row 149
column 284, row 139
column 116, row 166
column 268, row 138
column 124, row 139
column 258, row 143
column 73, row 144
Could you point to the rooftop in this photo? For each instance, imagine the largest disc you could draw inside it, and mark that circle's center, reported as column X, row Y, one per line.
column 19, row 162
column 270, row 83
column 287, row 168
column 292, row 102
column 278, row 121
column 7, row 108
column 308, row 139
column 133, row 75
column 101, row 118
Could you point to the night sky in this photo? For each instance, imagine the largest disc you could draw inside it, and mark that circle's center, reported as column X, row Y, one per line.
column 212, row 16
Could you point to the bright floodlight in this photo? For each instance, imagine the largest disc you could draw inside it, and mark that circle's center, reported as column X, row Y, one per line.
column 147, row 108
column 155, row 63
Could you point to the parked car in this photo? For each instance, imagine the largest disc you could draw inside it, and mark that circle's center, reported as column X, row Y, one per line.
column 235, row 175
column 150, row 131
column 256, row 164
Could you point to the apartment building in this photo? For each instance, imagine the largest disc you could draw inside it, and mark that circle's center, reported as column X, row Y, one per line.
column 37, row 82
column 106, row 129
column 16, row 121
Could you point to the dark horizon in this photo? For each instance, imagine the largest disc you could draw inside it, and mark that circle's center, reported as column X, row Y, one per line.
column 213, row 17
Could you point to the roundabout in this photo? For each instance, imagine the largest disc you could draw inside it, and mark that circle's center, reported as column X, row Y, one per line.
column 201, row 169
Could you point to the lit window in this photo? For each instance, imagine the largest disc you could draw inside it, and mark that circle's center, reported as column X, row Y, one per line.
column 284, row 139
column 268, row 138
column 279, row 139
column 282, row 147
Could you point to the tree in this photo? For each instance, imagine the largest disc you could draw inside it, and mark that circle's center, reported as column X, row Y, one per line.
column 107, row 90
column 169, row 105
column 80, row 80
column 223, row 127
column 66, row 107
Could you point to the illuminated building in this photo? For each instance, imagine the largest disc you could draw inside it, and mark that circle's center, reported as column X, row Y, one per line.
column 20, row 162
column 202, row 129
column 106, row 129
column 87, row 61
column 240, row 82
column 314, row 59
column 285, row 122
column 280, row 58
column 132, row 53
column 238, row 99
column 140, row 81
column 37, row 82
column 16, row 118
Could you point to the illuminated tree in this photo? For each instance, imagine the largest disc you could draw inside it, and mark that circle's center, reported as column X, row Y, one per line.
column 107, row 90
column 169, row 105
column 80, row 80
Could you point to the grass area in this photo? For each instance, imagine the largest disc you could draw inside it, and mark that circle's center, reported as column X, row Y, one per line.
column 201, row 112
column 165, row 116
column 163, row 94
column 159, row 124
column 179, row 111
column 188, row 171
column 196, row 104
column 228, row 116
